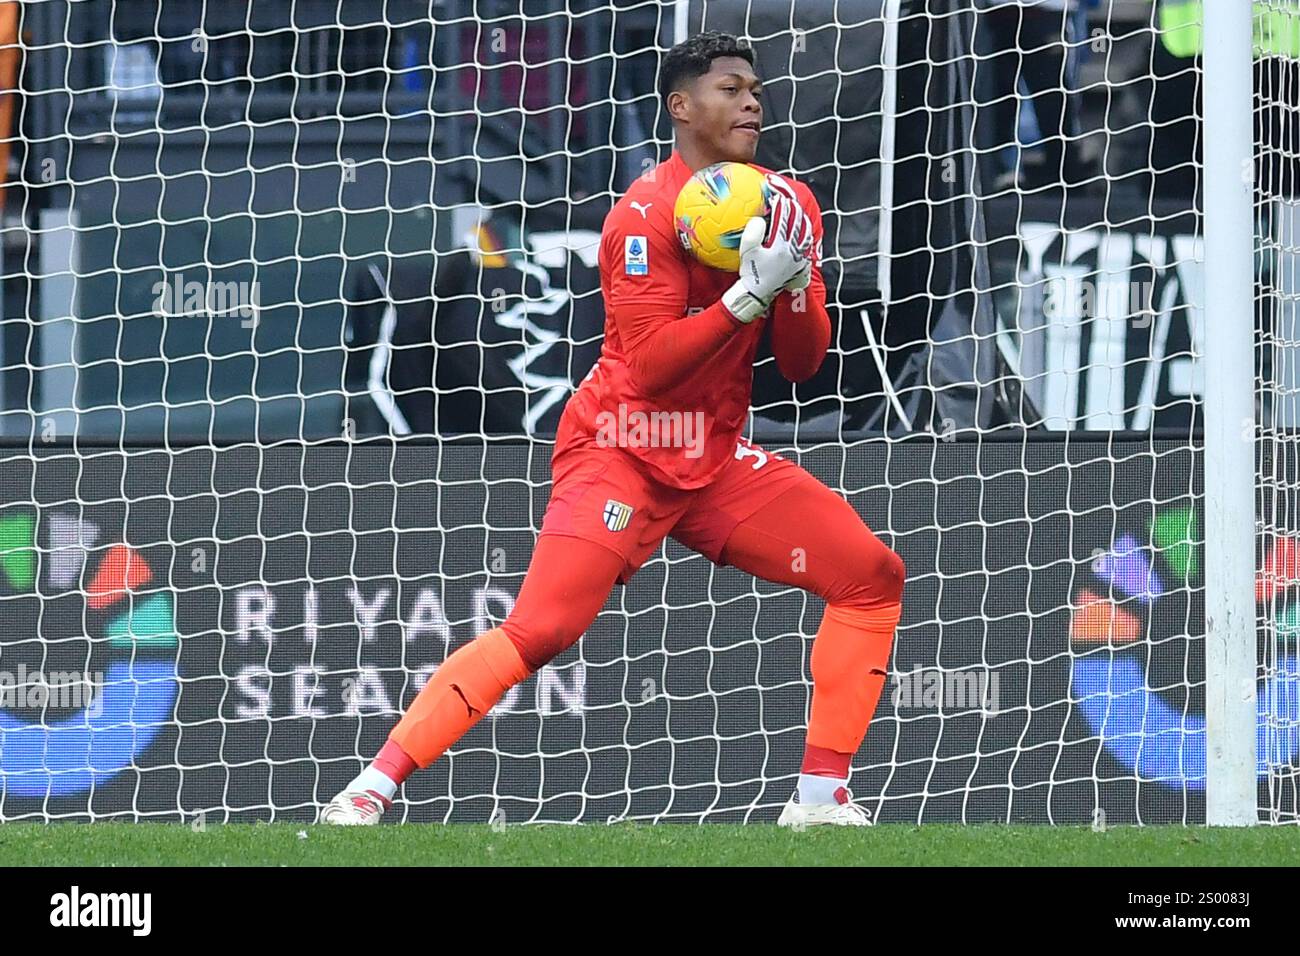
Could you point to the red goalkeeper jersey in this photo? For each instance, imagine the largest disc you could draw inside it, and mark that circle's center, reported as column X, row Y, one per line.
column 673, row 383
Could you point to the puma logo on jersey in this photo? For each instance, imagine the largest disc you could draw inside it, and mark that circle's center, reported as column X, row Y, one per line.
column 640, row 208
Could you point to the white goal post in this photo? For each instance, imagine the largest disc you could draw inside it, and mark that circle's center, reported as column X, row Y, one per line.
column 1230, row 660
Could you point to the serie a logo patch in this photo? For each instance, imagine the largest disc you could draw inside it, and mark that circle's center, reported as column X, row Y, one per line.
column 636, row 256
column 617, row 515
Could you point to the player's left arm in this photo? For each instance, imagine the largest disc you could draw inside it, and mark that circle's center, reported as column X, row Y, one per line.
column 801, row 328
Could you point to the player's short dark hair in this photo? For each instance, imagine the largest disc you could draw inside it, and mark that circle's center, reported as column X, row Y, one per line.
column 694, row 57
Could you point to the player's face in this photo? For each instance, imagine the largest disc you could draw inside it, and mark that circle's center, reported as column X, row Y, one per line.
column 726, row 114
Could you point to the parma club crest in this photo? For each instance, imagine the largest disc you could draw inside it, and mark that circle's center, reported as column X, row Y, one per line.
column 617, row 515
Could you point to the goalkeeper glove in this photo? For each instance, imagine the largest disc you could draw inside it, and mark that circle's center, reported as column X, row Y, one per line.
column 771, row 254
column 801, row 227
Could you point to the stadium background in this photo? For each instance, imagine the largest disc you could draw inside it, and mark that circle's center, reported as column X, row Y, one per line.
column 262, row 559
column 291, row 572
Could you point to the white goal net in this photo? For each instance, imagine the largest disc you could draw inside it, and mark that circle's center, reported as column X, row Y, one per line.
column 1277, row 146
column 293, row 295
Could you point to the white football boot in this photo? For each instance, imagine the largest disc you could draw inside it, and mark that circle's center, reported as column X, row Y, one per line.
column 355, row 808
column 842, row 813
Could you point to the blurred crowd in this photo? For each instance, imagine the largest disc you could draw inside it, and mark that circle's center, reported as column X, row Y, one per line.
column 1036, row 129
column 1027, row 55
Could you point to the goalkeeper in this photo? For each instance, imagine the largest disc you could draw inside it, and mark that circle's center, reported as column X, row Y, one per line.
column 679, row 347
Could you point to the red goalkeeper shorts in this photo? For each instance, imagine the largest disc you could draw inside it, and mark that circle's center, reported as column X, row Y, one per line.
column 604, row 495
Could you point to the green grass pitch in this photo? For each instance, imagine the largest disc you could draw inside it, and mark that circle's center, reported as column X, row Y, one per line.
column 629, row 844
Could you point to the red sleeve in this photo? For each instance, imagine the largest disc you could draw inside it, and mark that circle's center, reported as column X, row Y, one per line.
column 647, row 282
column 801, row 329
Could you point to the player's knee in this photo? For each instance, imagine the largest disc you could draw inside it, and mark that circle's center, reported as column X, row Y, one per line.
column 891, row 574
column 877, row 579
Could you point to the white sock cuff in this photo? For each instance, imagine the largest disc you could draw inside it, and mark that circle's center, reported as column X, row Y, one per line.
column 818, row 789
column 376, row 780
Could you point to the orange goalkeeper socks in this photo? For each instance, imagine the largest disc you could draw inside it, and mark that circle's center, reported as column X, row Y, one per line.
column 849, row 660
column 850, row 657
column 462, row 689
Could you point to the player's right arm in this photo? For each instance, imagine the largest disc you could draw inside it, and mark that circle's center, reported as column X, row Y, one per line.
column 647, row 298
